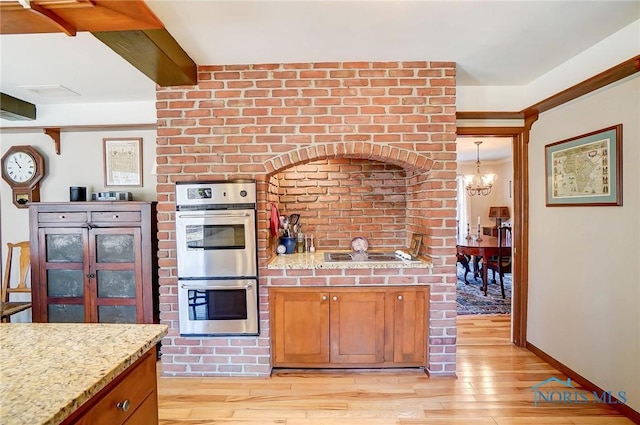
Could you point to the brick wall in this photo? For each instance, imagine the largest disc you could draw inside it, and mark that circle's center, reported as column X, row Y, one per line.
column 339, row 199
column 259, row 121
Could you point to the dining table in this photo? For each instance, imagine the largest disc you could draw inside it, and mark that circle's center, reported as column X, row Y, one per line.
column 486, row 247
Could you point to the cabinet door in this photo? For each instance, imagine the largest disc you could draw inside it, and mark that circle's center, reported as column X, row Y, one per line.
column 409, row 326
column 116, row 275
column 301, row 327
column 64, row 265
column 357, row 327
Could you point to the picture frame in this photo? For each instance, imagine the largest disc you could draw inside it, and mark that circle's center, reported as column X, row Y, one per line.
column 416, row 242
column 585, row 170
column 122, row 161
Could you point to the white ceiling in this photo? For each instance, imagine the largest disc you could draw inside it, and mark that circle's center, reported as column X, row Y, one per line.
column 493, row 43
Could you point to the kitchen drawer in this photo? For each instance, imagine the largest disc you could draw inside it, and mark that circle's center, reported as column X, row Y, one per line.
column 116, row 216
column 62, row 217
column 147, row 413
column 138, row 385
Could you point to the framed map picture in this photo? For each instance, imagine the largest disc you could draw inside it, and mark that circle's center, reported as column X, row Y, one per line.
column 122, row 162
column 585, row 170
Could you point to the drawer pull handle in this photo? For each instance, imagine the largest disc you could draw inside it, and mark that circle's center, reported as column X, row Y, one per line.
column 61, row 217
column 324, row 298
column 335, row 298
column 399, row 297
column 115, row 216
column 124, row 405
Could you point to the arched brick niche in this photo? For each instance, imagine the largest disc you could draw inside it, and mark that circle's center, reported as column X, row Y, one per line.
column 259, row 121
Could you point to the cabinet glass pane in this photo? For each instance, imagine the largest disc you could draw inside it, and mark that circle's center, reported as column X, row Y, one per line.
column 64, row 249
column 114, row 249
column 66, row 313
column 65, row 283
column 117, row 314
column 116, row 284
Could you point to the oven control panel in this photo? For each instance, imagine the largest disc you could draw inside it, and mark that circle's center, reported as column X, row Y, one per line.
column 216, row 194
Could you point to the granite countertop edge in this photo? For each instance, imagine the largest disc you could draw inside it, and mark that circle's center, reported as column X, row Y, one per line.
column 65, row 412
column 315, row 260
column 39, row 399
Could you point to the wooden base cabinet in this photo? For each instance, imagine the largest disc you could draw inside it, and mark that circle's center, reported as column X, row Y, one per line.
column 356, row 327
column 349, row 327
column 408, row 310
column 131, row 399
column 93, row 262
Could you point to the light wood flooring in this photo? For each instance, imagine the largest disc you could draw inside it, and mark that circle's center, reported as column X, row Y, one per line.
column 493, row 387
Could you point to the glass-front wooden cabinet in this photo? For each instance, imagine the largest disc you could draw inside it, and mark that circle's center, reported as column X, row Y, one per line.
column 93, row 262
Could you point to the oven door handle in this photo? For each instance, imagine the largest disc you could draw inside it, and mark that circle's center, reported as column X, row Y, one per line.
column 213, row 287
column 213, row 215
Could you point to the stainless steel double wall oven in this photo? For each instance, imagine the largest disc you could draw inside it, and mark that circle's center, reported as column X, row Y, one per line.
column 217, row 257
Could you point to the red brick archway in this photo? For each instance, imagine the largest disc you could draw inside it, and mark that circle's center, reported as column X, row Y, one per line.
column 409, row 160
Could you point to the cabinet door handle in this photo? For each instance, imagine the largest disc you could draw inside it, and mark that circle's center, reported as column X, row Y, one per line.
column 91, row 275
column 324, row 298
column 399, row 297
column 61, row 217
column 335, row 298
column 124, row 405
column 115, row 216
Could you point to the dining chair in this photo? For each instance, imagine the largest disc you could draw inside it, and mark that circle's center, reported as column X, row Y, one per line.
column 24, row 262
column 501, row 263
column 464, row 261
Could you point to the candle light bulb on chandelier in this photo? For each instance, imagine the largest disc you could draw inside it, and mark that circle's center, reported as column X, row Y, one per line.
column 478, row 184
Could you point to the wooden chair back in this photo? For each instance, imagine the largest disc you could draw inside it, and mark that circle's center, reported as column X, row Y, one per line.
column 504, row 250
column 24, row 264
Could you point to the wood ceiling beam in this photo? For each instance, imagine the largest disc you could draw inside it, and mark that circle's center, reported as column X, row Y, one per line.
column 129, row 28
column 83, row 15
column 64, row 26
column 155, row 53
column 14, row 109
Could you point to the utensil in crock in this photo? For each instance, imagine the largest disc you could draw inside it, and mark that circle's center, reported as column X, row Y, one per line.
column 275, row 219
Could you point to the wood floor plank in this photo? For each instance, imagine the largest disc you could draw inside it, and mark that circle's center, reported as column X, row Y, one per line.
column 488, row 420
column 609, row 420
column 380, row 413
column 532, row 421
column 493, row 387
column 343, row 421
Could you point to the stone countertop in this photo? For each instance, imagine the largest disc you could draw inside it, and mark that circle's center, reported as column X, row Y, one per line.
column 315, row 260
column 48, row 370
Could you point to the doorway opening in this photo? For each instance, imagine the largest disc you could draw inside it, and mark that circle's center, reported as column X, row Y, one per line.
column 479, row 217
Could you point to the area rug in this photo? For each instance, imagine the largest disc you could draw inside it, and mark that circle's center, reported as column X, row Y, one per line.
column 471, row 299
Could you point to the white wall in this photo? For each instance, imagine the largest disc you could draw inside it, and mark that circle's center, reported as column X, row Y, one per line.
column 79, row 164
column 584, row 295
column 499, row 196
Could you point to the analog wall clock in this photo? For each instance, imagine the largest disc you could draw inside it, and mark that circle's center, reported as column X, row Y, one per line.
column 22, row 169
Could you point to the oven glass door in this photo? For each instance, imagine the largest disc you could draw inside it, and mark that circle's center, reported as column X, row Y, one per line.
column 218, row 307
column 216, row 236
column 216, row 244
column 218, row 304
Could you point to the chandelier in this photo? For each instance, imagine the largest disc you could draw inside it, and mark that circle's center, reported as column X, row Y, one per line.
column 477, row 184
